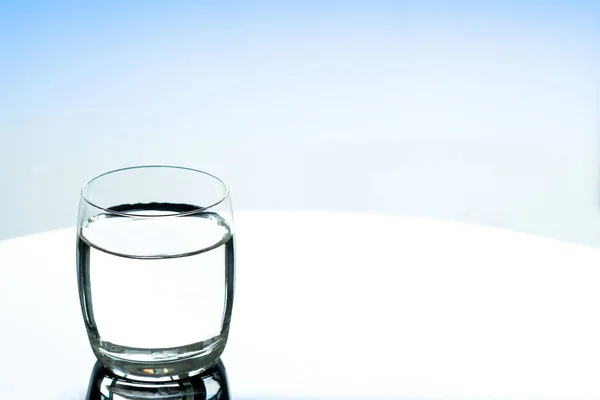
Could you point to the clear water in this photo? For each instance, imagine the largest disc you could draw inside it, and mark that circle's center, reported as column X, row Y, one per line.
column 156, row 293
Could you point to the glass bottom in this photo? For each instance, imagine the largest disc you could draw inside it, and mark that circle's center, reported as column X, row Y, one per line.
column 159, row 365
column 210, row 385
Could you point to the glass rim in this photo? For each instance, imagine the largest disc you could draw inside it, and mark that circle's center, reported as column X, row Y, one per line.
column 174, row 167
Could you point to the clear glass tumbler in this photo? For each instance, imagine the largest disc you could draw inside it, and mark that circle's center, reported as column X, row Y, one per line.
column 155, row 267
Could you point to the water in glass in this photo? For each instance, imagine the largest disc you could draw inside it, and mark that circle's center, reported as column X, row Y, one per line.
column 153, row 306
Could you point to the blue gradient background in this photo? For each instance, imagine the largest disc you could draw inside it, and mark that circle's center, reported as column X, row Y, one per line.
column 477, row 111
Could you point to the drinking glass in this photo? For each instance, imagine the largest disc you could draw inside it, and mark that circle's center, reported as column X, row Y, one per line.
column 155, row 267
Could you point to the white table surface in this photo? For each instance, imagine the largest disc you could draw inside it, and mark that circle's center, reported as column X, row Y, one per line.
column 347, row 305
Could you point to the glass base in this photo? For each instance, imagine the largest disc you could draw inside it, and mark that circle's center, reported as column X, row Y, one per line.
column 160, row 365
column 210, row 385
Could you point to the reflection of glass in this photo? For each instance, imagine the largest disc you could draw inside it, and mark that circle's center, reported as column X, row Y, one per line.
column 155, row 264
column 210, row 385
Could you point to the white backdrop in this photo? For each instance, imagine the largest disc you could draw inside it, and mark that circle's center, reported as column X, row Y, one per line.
column 484, row 119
